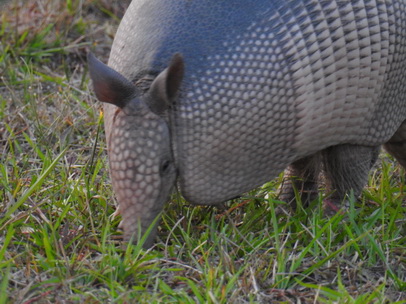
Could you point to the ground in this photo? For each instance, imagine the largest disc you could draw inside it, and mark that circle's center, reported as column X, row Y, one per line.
column 58, row 233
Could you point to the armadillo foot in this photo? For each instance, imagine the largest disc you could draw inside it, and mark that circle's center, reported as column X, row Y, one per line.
column 308, row 192
column 331, row 207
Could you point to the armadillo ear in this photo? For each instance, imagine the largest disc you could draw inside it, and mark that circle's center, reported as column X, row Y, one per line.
column 166, row 85
column 109, row 85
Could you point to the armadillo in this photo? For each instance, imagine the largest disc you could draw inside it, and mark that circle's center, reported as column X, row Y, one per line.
column 219, row 97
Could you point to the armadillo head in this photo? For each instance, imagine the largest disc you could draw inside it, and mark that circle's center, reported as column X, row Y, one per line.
column 139, row 145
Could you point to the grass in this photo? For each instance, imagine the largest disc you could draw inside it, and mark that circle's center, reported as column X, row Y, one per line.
column 58, row 236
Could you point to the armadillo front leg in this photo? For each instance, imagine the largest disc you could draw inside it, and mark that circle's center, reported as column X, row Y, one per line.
column 346, row 169
column 397, row 145
column 302, row 177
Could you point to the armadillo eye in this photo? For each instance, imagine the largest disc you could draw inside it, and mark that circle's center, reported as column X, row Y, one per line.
column 164, row 166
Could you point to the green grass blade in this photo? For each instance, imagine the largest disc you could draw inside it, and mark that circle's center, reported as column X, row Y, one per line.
column 3, row 286
column 32, row 189
column 6, row 242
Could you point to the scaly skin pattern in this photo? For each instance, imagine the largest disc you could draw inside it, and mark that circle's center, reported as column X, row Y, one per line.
column 265, row 85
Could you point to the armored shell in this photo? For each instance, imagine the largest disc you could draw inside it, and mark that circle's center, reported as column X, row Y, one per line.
column 265, row 84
